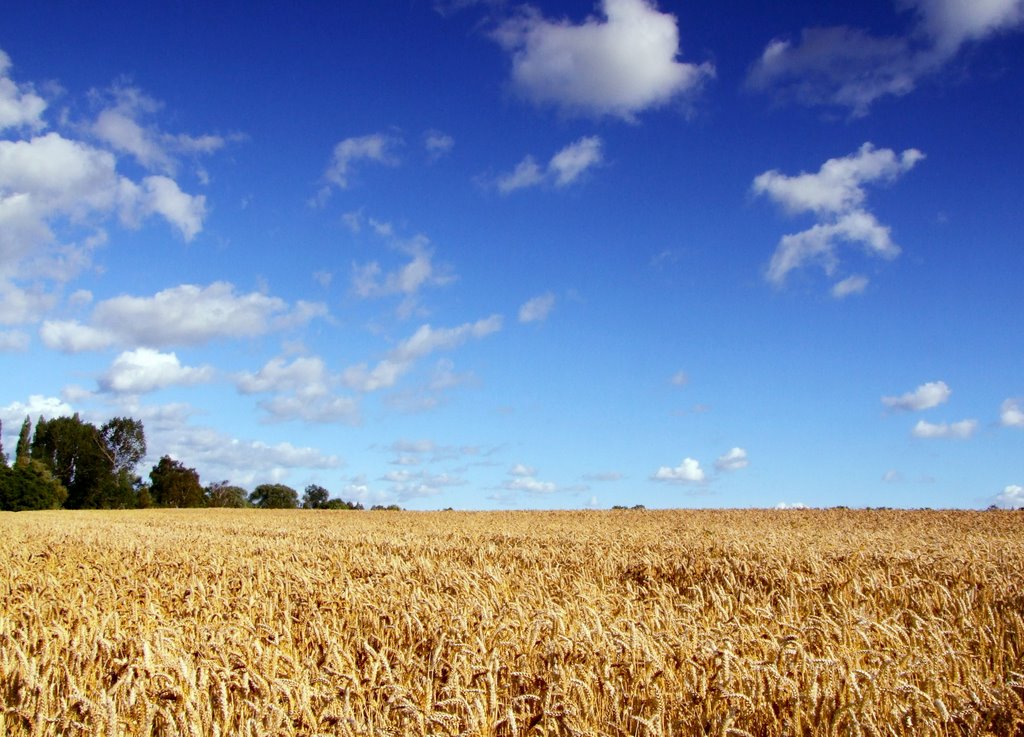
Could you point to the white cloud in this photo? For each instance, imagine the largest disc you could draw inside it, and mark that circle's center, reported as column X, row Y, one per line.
column 369, row 279
column 437, row 143
column 120, row 124
column 951, row 23
column 689, row 471
column 956, row 430
column 892, row 476
column 835, row 195
column 925, row 396
column 303, row 391
column 37, row 406
column 247, row 462
column 376, row 147
column 1011, row 497
column 522, row 470
column 146, row 370
column 603, row 476
column 734, row 460
column 321, row 409
column 13, row 340
column 304, row 372
column 184, row 315
column 855, row 284
column 679, row 378
column 20, row 106
column 424, row 341
column 849, row 68
column 791, row 505
column 51, row 181
column 531, row 485
column 570, row 163
column 537, row 309
column 162, row 196
column 1011, row 414
column 618, row 65
column 565, row 167
column 19, row 306
column 70, row 336
column 526, row 174
column 837, row 187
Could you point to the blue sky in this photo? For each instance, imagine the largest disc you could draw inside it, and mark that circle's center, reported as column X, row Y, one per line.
column 498, row 255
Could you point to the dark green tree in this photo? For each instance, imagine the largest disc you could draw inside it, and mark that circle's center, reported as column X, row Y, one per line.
column 315, row 497
column 175, row 485
column 274, row 496
column 3, row 456
column 24, row 446
column 341, row 504
column 75, row 453
column 223, row 494
column 28, row 486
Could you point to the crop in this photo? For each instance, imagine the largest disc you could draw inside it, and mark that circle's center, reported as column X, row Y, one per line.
column 249, row 622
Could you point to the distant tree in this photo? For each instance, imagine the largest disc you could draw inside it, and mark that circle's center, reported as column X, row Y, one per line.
column 143, row 495
column 75, row 453
column 222, row 494
column 24, row 446
column 3, row 456
column 29, row 485
column 315, row 497
column 124, row 439
column 341, row 504
column 175, row 485
column 388, row 508
column 274, row 496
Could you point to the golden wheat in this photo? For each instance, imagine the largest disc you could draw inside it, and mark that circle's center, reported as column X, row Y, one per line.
column 213, row 622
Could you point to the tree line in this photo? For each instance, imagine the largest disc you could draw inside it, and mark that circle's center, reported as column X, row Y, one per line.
column 72, row 464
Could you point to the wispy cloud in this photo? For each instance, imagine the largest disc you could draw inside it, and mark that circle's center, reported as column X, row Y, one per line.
column 849, row 68
column 565, row 167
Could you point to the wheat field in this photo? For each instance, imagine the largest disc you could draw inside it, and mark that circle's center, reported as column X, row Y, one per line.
column 247, row 622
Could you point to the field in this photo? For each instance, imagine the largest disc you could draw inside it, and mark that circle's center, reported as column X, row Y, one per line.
column 215, row 622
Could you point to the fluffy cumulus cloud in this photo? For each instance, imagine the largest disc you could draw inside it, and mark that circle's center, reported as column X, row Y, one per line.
column 184, row 315
column 537, row 309
column 36, row 406
column 147, row 370
column 377, row 148
column 565, row 168
column 687, row 472
column 955, row 430
column 851, row 69
column 619, row 64
column 734, row 460
column 1011, row 414
column 926, row 396
column 302, row 390
column 60, row 192
column 1011, row 497
column 835, row 196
